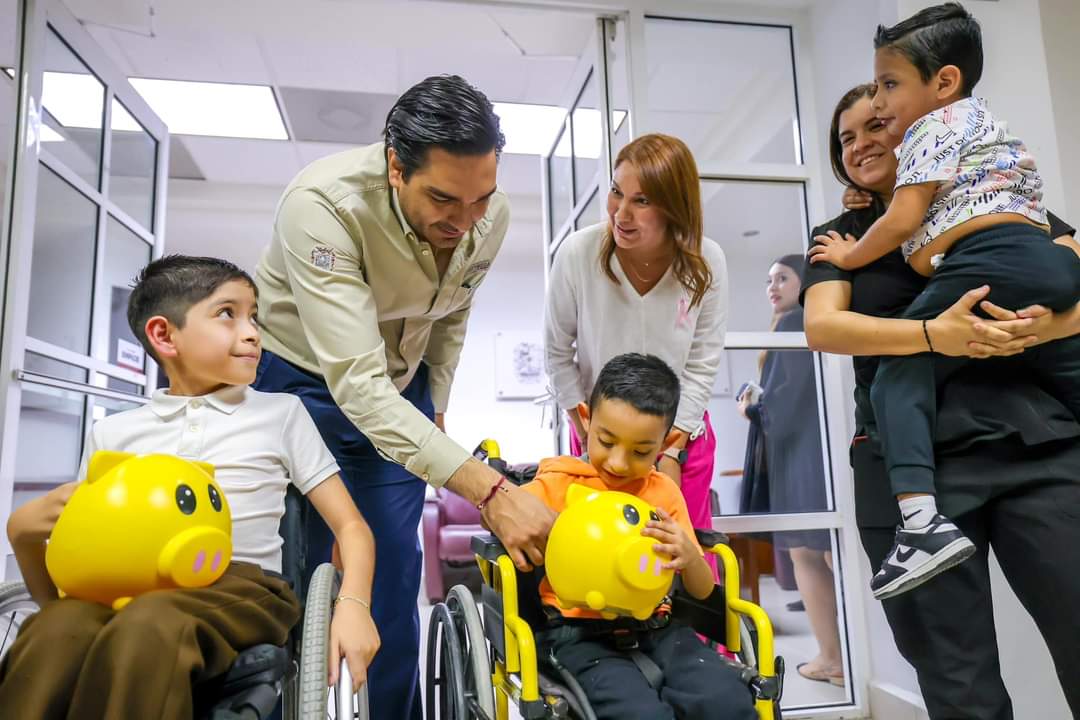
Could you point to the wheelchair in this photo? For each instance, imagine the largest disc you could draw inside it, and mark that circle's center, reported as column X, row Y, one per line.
column 251, row 688
column 477, row 665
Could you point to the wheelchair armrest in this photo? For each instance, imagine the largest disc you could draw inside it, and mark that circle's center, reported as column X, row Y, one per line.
column 709, row 538
column 487, row 546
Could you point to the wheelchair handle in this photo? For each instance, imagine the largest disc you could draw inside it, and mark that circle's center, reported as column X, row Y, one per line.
column 345, row 707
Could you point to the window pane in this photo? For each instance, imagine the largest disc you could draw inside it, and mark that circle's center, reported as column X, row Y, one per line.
column 73, row 104
column 50, row 435
column 591, row 213
column 9, row 39
column 588, row 139
column 131, row 172
column 125, row 254
column 102, row 407
column 559, row 180
column 771, row 460
column 727, row 90
column 61, row 274
column 757, row 224
column 767, row 572
column 618, row 80
column 53, row 368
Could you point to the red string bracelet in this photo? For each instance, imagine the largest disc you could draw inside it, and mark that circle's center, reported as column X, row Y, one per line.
column 494, row 489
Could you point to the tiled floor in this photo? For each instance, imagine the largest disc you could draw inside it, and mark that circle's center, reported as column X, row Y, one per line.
column 794, row 642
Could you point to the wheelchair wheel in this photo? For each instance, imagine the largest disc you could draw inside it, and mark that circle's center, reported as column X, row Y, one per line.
column 312, row 693
column 15, row 606
column 748, row 654
column 445, row 668
column 479, row 693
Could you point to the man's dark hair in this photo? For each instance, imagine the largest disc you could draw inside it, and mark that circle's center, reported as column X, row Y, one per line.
column 941, row 35
column 169, row 286
column 442, row 111
column 645, row 382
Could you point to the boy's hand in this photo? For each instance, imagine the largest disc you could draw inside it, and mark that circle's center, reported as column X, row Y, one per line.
column 33, row 523
column 353, row 635
column 673, row 541
column 833, row 249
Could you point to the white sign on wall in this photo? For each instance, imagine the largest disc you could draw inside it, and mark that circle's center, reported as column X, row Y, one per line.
column 519, row 366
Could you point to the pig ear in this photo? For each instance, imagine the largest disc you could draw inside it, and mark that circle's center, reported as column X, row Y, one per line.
column 103, row 461
column 577, row 493
column 205, row 467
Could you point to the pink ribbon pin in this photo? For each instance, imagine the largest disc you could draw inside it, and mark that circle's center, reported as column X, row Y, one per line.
column 683, row 320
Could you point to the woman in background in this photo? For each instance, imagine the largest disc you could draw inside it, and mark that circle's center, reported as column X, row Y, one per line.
column 787, row 416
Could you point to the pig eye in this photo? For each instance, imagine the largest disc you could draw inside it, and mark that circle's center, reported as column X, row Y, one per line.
column 653, row 516
column 631, row 514
column 185, row 499
column 215, row 498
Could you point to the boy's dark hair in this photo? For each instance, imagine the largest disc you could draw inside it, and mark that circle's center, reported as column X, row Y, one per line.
column 170, row 285
column 645, row 382
column 442, row 111
column 941, row 35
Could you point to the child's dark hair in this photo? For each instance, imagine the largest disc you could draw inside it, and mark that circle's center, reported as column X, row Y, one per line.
column 645, row 382
column 941, row 35
column 169, row 286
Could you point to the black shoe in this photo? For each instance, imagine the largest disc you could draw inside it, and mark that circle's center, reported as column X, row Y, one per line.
column 918, row 555
column 796, row 606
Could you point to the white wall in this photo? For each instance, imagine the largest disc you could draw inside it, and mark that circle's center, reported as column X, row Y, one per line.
column 1060, row 26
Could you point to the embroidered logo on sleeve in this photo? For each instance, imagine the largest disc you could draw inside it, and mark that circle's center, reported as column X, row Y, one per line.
column 322, row 257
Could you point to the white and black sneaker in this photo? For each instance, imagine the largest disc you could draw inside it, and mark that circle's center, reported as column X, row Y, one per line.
column 918, row 555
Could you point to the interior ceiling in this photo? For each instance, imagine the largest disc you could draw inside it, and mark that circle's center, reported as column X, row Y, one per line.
column 336, row 66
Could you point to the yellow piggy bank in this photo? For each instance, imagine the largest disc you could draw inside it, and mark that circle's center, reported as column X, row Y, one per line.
column 140, row 523
column 597, row 557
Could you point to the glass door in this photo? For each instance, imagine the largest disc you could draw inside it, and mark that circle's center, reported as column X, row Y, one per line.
column 87, row 189
column 780, row 487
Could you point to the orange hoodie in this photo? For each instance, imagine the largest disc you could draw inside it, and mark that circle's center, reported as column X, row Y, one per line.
column 558, row 473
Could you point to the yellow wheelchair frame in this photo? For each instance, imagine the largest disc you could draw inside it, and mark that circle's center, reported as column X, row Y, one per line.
column 515, row 676
column 470, row 680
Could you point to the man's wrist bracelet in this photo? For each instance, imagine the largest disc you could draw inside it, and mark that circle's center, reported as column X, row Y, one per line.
column 494, row 489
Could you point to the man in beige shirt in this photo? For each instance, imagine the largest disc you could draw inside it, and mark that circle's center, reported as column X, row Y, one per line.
column 364, row 295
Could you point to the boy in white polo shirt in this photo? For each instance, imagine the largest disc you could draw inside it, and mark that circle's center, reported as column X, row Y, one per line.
column 197, row 317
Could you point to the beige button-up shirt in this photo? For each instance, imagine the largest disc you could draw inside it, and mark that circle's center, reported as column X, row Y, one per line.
column 347, row 290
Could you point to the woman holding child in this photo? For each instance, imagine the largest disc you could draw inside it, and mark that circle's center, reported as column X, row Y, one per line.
column 1006, row 452
column 646, row 280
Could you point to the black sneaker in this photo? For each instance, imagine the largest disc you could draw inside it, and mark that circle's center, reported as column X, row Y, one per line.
column 918, row 555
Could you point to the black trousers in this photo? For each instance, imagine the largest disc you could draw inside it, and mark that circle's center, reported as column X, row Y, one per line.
column 697, row 684
column 1023, row 267
column 945, row 628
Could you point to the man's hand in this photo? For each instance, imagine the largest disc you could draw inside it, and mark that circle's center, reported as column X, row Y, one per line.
column 519, row 519
column 353, row 635
column 33, row 523
column 522, row 522
column 833, row 248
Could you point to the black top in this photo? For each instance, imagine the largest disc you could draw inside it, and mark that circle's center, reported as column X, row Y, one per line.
column 986, row 400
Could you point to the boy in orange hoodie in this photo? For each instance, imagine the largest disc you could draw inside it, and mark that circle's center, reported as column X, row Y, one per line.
column 628, row 423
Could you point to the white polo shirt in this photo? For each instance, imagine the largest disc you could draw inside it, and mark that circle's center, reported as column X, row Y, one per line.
column 257, row 442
